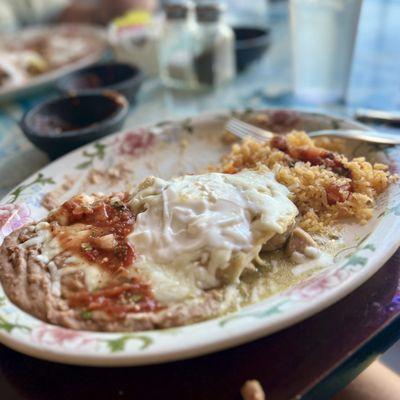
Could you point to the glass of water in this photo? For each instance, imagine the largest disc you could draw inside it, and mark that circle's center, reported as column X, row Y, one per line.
column 323, row 36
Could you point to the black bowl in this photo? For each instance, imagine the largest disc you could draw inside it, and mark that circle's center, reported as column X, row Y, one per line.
column 250, row 45
column 61, row 125
column 121, row 77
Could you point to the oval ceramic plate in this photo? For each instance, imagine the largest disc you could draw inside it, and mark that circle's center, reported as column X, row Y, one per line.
column 98, row 46
column 168, row 149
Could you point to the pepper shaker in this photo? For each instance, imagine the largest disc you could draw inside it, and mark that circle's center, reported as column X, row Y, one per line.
column 214, row 62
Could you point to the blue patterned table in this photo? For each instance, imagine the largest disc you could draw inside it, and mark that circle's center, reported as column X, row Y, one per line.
column 375, row 83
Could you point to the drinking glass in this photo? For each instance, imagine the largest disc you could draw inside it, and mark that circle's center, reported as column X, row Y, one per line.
column 323, row 36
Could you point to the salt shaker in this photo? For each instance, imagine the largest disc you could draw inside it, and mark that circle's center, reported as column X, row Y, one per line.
column 176, row 46
column 214, row 61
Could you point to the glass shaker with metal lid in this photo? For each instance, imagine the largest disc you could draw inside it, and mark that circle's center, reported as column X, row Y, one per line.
column 176, row 46
column 214, row 62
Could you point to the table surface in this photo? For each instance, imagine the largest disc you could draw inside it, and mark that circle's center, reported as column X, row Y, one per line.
column 313, row 358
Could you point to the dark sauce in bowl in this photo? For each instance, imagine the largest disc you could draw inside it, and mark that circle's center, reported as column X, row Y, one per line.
column 61, row 125
column 73, row 113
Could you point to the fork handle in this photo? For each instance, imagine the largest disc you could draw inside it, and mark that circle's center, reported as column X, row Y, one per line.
column 367, row 136
column 389, row 118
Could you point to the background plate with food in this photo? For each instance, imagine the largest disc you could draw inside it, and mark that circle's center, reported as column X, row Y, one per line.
column 37, row 56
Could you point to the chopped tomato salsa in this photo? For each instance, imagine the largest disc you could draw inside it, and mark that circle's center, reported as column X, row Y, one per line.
column 116, row 300
column 103, row 239
column 109, row 222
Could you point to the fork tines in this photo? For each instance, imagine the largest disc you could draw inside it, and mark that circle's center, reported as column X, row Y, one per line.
column 245, row 130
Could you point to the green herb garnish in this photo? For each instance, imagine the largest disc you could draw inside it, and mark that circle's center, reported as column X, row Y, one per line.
column 86, row 315
column 136, row 297
column 121, row 251
column 86, row 247
column 118, row 204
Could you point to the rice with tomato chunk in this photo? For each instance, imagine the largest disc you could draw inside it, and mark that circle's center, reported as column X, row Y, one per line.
column 325, row 186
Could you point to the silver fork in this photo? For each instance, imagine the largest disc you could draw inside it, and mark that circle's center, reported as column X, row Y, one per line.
column 245, row 130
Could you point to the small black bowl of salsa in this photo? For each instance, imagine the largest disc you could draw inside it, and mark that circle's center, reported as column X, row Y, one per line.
column 117, row 76
column 61, row 125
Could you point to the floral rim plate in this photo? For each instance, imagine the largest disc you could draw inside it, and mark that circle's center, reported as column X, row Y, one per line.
column 99, row 44
column 166, row 149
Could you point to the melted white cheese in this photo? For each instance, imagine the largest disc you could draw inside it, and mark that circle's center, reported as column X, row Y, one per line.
column 192, row 233
column 198, row 231
column 50, row 248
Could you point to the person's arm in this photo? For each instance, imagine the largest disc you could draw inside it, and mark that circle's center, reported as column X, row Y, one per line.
column 80, row 12
column 376, row 382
